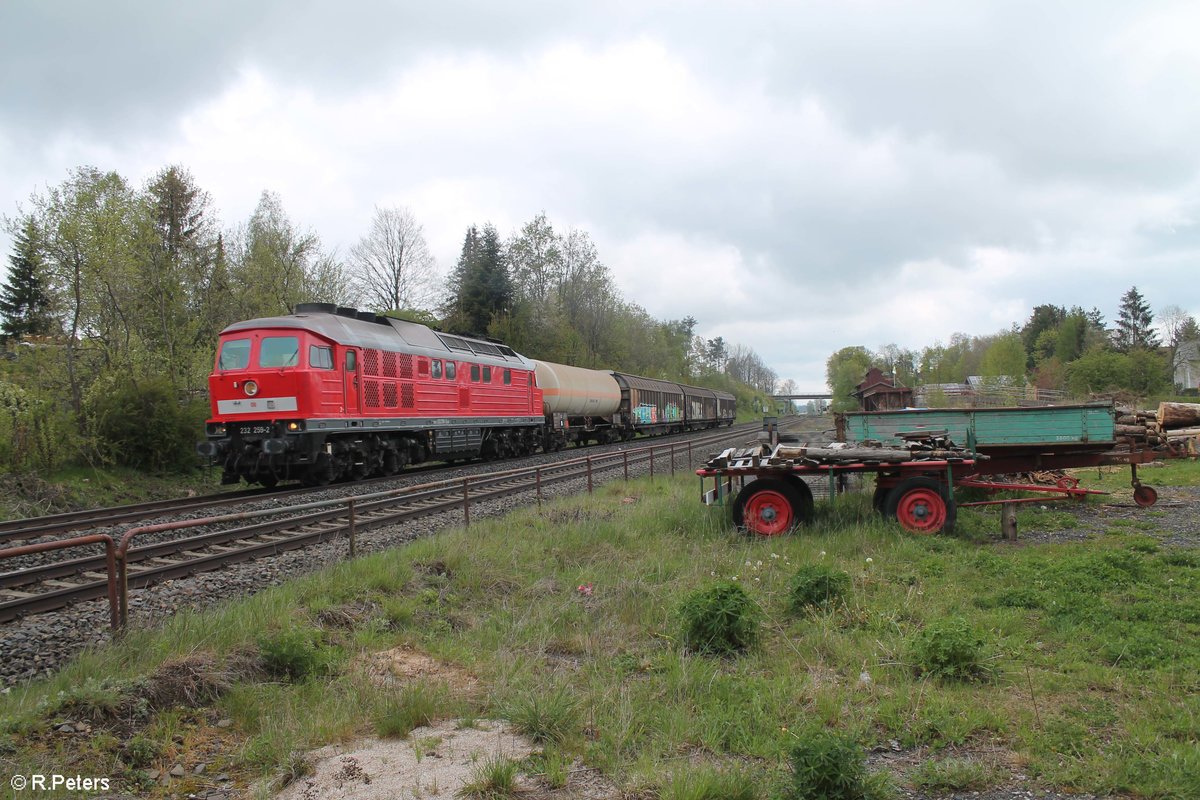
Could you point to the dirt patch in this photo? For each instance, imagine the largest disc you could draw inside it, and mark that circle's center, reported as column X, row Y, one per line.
column 434, row 761
column 401, row 666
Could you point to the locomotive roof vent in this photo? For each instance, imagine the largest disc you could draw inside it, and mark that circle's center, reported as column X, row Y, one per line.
column 371, row 316
column 343, row 311
column 315, row 308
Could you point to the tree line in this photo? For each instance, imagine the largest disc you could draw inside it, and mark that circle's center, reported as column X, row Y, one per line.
column 116, row 294
column 1072, row 350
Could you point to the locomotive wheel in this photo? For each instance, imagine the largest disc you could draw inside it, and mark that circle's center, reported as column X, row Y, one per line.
column 770, row 507
column 920, row 506
column 1145, row 496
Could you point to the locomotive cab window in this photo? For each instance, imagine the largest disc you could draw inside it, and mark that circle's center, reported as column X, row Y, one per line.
column 320, row 357
column 475, row 373
column 279, row 351
column 351, row 361
column 487, row 374
column 436, row 367
column 451, row 370
column 235, row 354
column 507, row 377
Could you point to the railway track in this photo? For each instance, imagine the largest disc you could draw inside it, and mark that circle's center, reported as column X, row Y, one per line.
column 30, row 528
column 50, row 586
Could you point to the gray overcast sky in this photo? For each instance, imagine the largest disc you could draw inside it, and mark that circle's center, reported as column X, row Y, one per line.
column 797, row 176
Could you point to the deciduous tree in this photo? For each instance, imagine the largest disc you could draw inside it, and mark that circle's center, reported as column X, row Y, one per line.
column 394, row 262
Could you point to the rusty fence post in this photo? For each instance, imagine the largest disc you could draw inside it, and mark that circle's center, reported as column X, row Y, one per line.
column 466, row 504
column 651, row 462
column 110, row 564
column 353, row 537
column 539, row 486
column 589, row 472
column 625, row 461
column 672, row 460
column 689, row 444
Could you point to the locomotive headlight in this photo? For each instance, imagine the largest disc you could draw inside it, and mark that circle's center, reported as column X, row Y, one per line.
column 251, row 388
column 293, row 426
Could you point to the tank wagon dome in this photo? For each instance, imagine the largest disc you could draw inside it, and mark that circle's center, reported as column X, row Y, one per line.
column 576, row 391
column 352, row 328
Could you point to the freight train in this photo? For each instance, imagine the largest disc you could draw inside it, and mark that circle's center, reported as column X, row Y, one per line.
column 331, row 393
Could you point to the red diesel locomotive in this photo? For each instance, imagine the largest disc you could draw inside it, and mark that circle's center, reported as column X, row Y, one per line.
column 331, row 393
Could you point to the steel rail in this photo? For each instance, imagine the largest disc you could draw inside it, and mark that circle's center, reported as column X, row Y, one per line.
column 35, row 527
column 365, row 511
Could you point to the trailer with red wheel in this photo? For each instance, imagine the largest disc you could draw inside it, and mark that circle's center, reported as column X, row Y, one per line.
column 770, row 494
column 916, row 477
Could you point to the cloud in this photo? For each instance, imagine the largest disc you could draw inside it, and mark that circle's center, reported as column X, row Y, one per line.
column 798, row 178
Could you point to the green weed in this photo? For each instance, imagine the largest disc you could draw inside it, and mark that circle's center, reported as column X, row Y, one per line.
column 954, row 775
column 827, row 766
column 722, row 620
column 494, row 779
column 817, row 586
column 950, row 648
column 412, row 707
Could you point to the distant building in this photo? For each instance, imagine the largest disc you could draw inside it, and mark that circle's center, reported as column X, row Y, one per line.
column 1187, row 365
column 878, row 392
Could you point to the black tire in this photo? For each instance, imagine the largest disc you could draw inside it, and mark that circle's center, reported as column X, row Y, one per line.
column 879, row 500
column 924, row 486
column 770, row 507
column 808, row 506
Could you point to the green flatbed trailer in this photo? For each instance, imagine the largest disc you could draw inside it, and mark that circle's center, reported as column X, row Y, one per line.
column 1086, row 427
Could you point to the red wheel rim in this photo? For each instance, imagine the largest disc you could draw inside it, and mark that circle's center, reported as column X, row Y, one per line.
column 1145, row 496
column 922, row 511
column 768, row 513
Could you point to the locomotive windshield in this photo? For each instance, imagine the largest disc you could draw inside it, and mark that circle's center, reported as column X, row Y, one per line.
column 235, row 354
column 279, row 351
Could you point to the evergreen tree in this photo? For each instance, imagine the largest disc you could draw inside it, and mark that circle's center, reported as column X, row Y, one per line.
column 480, row 286
column 24, row 305
column 1134, row 322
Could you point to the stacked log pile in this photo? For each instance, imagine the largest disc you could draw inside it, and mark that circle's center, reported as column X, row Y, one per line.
column 1171, row 423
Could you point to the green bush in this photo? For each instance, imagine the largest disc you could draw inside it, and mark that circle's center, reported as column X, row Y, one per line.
column 722, row 620
column 949, row 648
column 294, row 654
column 817, row 586
column 141, row 424
column 827, row 766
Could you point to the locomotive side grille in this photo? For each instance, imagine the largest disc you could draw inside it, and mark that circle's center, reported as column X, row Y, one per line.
column 406, row 366
column 371, row 361
column 464, row 397
column 389, row 395
column 389, row 364
column 371, row 393
column 406, row 395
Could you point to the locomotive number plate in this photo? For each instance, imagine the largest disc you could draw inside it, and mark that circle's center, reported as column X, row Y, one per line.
column 254, row 430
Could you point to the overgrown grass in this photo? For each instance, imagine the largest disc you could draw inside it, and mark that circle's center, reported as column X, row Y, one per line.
column 1092, row 650
column 79, row 487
